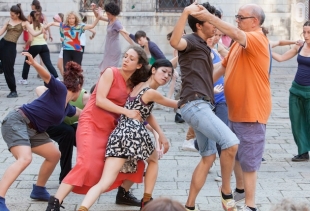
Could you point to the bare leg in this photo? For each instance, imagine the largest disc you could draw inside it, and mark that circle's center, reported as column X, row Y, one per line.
column 63, row 191
column 23, row 158
column 199, row 178
column 127, row 185
column 250, row 187
column 151, row 173
column 227, row 161
column 111, row 169
column 238, row 175
column 52, row 156
column 60, row 66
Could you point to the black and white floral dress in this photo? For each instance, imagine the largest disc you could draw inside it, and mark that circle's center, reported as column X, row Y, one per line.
column 130, row 138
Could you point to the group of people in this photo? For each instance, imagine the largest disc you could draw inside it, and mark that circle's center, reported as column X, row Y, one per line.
column 111, row 153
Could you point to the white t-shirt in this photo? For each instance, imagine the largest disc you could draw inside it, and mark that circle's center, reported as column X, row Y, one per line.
column 83, row 39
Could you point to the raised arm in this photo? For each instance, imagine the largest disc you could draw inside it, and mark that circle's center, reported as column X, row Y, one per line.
column 93, row 6
column 226, row 28
column 176, row 40
column 104, row 86
column 44, row 74
column 287, row 55
column 91, row 26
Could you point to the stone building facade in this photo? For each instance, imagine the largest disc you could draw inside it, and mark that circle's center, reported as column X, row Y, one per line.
column 284, row 18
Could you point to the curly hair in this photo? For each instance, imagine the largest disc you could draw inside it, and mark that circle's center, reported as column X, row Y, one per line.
column 77, row 18
column 73, row 77
column 164, row 204
column 140, row 75
column 112, row 8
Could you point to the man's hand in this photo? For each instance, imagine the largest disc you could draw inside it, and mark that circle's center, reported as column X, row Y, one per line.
column 201, row 14
column 194, row 7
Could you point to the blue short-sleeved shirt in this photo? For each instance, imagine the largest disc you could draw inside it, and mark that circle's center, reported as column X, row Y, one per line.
column 50, row 108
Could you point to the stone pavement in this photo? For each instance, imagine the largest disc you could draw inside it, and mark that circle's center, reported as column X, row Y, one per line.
column 279, row 178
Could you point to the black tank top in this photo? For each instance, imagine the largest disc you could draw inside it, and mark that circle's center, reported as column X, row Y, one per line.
column 302, row 76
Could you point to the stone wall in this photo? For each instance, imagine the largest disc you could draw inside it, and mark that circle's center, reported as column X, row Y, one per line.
column 142, row 15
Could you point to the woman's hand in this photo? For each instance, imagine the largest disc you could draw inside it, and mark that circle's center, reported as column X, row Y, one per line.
column 134, row 114
column 218, row 89
column 30, row 59
column 163, row 143
column 93, row 6
column 92, row 36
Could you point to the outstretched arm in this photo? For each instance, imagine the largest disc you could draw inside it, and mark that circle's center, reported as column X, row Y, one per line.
column 287, row 55
column 125, row 34
column 93, row 6
column 152, row 95
column 51, row 24
column 284, row 42
column 31, row 30
column 91, row 26
column 232, row 31
column 3, row 29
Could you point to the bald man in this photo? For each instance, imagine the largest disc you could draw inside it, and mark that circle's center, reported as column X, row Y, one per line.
column 247, row 92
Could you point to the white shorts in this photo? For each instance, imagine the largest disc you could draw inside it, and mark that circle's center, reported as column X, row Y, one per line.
column 61, row 53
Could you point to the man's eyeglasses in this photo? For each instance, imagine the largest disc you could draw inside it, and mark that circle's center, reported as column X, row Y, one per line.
column 240, row 18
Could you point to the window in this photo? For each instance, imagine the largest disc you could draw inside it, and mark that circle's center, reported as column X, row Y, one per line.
column 85, row 4
column 172, row 5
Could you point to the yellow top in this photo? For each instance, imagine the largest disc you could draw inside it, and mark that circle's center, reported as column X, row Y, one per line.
column 38, row 40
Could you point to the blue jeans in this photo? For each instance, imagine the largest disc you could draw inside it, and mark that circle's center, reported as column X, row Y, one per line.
column 208, row 127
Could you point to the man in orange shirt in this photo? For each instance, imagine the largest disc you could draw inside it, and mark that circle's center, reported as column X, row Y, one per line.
column 247, row 92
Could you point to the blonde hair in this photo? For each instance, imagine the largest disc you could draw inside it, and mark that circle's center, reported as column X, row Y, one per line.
column 77, row 18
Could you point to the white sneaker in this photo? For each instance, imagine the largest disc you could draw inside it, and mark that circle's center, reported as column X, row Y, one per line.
column 218, row 178
column 23, row 81
column 188, row 145
column 246, row 208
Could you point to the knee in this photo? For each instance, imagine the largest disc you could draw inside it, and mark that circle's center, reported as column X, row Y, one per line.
column 231, row 150
column 54, row 157
column 25, row 160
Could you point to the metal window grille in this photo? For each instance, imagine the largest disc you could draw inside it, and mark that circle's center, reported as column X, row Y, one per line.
column 172, row 5
column 85, row 4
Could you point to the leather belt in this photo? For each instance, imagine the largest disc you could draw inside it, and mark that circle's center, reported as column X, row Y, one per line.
column 29, row 124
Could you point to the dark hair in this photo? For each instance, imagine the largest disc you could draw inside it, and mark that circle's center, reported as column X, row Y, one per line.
column 140, row 34
column 36, row 4
column 193, row 21
column 164, row 204
column 83, row 18
column 73, row 77
column 170, row 34
column 61, row 15
column 218, row 13
column 140, row 75
column 35, row 20
column 92, row 88
column 161, row 63
column 307, row 23
column 18, row 11
column 112, row 8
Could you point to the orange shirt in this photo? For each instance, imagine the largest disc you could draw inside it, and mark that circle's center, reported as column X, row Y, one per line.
column 247, row 87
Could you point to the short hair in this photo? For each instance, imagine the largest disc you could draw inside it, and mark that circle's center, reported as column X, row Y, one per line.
column 289, row 205
column 73, row 77
column 164, row 204
column 307, row 23
column 193, row 21
column 112, row 8
column 259, row 13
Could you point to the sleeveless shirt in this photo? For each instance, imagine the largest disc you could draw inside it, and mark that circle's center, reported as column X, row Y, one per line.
column 13, row 32
column 302, row 76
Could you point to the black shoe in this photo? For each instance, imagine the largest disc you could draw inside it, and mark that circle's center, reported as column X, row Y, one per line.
column 143, row 204
column 126, row 198
column 264, row 160
column 302, row 157
column 178, row 118
column 12, row 95
column 1, row 68
column 53, row 204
